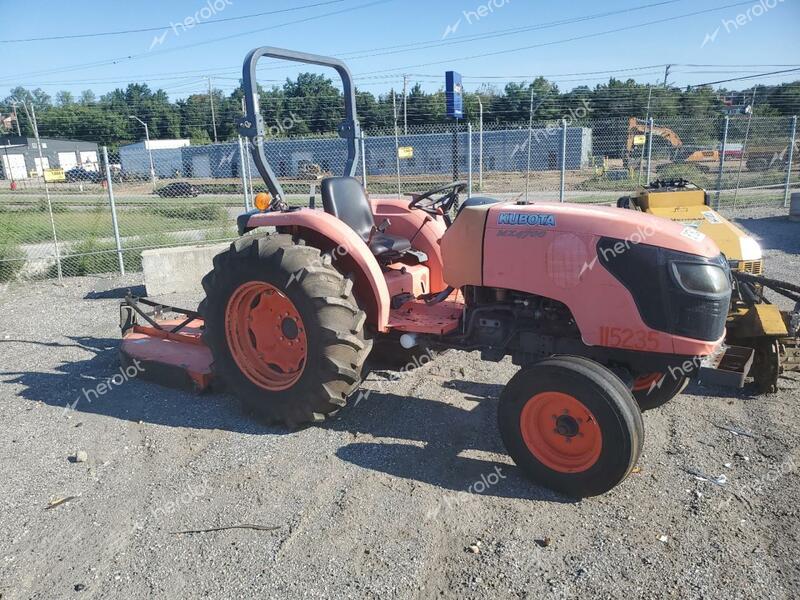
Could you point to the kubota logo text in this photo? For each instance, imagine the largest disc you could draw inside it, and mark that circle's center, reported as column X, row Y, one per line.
column 534, row 220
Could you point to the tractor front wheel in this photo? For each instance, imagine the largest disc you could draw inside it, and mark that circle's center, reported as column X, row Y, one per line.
column 571, row 425
column 284, row 329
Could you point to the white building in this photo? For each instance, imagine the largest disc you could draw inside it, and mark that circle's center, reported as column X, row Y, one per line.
column 167, row 157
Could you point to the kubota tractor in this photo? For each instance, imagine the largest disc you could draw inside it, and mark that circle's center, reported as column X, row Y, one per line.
column 594, row 321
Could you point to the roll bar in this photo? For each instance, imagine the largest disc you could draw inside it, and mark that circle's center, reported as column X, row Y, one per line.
column 251, row 125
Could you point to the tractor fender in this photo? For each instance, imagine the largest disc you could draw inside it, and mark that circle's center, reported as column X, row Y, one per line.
column 349, row 253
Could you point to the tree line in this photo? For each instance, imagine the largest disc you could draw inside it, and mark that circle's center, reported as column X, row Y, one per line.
column 313, row 105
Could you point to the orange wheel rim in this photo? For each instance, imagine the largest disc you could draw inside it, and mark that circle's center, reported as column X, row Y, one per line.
column 645, row 382
column 266, row 335
column 561, row 432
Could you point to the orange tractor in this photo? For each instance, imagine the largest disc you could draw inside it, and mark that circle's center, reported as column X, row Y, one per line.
column 604, row 310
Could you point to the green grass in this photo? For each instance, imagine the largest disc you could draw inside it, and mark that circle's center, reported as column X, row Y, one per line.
column 202, row 212
column 27, row 227
column 86, row 258
column 92, row 256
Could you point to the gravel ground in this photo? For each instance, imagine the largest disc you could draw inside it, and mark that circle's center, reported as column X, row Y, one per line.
column 409, row 494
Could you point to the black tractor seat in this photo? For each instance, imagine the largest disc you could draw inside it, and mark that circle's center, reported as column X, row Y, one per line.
column 345, row 199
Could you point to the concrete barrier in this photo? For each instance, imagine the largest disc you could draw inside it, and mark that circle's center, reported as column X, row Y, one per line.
column 178, row 270
column 794, row 207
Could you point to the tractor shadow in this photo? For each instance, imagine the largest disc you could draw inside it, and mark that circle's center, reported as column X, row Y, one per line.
column 422, row 439
column 434, row 442
column 72, row 387
column 774, row 233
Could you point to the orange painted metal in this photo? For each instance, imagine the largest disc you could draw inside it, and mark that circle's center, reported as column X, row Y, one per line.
column 438, row 319
column 409, row 279
column 423, row 230
column 331, row 235
column 266, row 336
column 555, row 255
column 561, row 432
column 170, row 358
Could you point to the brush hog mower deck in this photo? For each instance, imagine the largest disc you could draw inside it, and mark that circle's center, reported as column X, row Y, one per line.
column 296, row 305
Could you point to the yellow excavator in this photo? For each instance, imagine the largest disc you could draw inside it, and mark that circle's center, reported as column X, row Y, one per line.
column 753, row 321
column 704, row 159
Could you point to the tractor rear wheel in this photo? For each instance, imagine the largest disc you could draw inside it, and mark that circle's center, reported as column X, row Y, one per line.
column 284, row 329
column 571, row 425
column 656, row 389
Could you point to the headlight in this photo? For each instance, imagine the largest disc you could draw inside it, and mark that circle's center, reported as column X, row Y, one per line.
column 705, row 280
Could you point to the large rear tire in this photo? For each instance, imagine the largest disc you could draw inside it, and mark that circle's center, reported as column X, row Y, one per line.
column 284, row 329
column 571, row 425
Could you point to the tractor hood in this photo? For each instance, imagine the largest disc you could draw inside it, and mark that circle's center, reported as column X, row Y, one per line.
column 632, row 227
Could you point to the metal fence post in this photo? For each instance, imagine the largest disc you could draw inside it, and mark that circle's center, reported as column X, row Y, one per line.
column 114, row 223
column 363, row 160
column 243, row 174
column 248, row 170
column 649, row 148
column 35, row 123
column 789, row 160
column 480, row 149
column 396, row 144
column 563, row 160
column 723, row 150
column 469, row 160
column 530, row 139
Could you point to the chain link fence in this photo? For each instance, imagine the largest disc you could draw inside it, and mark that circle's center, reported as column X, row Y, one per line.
column 100, row 215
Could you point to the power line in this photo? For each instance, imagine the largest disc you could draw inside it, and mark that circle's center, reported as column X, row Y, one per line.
column 745, row 77
column 409, row 47
column 163, row 27
column 562, row 41
column 120, row 59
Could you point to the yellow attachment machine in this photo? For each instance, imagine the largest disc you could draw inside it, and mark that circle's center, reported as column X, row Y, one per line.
column 752, row 321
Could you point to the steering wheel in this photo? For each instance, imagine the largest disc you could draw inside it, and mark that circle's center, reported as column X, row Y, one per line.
column 447, row 197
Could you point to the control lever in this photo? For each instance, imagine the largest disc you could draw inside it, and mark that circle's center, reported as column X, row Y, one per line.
column 385, row 224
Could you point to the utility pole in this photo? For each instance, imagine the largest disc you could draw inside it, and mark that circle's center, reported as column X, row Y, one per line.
column 16, row 118
column 530, row 139
column 647, row 119
column 405, row 105
column 666, row 74
column 213, row 116
column 744, row 146
column 396, row 142
column 149, row 150
column 32, row 118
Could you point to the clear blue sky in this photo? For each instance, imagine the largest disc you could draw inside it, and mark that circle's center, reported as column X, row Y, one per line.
column 387, row 33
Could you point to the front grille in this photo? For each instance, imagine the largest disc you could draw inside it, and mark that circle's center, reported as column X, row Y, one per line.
column 663, row 304
column 754, row 267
